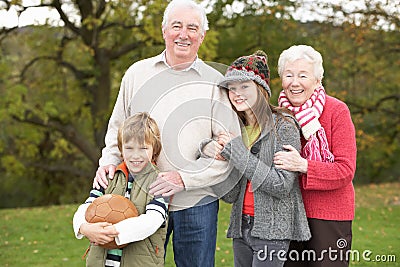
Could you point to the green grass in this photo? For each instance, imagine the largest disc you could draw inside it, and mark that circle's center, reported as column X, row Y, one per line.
column 376, row 225
column 43, row 236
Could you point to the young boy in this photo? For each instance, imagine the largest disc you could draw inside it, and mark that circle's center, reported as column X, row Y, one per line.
column 139, row 143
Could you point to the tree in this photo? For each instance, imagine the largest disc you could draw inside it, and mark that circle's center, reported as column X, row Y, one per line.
column 60, row 91
column 362, row 69
column 59, row 83
column 61, row 87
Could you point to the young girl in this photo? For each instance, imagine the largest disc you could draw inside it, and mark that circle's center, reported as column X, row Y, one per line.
column 267, row 209
column 139, row 143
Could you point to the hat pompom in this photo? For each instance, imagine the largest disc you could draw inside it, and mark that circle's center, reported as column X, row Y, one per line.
column 260, row 53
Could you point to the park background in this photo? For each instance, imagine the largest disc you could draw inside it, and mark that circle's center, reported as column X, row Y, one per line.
column 60, row 78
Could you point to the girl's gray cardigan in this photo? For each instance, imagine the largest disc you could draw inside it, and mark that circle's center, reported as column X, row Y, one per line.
column 278, row 206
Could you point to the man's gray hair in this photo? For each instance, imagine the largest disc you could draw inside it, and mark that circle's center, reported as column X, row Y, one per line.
column 190, row 4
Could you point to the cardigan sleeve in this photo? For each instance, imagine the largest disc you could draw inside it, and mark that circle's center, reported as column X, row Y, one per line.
column 262, row 172
column 330, row 176
column 229, row 189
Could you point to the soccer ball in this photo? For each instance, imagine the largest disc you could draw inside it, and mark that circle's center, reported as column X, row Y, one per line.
column 110, row 208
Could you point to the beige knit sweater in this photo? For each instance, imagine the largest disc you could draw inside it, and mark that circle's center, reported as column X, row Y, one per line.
column 189, row 108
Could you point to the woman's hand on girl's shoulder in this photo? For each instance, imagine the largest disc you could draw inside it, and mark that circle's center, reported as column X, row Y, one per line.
column 290, row 159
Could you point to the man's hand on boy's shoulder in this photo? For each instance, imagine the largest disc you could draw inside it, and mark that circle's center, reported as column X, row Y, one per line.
column 100, row 180
column 167, row 184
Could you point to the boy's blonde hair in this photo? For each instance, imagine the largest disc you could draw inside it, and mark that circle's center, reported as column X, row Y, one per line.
column 142, row 128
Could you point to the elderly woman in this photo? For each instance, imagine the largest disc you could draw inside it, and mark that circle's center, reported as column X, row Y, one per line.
column 327, row 161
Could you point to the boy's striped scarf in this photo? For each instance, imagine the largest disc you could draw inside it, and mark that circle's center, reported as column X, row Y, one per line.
column 307, row 115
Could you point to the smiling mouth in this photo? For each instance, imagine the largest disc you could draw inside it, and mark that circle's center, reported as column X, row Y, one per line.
column 182, row 44
column 295, row 92
column 240, row 100
column 136, row 162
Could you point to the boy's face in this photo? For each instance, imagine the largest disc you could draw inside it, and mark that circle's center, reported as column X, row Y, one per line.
column 136, row 155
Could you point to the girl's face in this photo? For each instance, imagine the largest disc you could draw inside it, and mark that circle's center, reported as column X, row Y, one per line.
column 298, row 81
column 243, row 95
column 136, row 155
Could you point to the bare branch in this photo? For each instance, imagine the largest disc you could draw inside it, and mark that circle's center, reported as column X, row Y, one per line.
column 377, row 106
column 60, row 167
column 80, row 75
column 127, row 48
column 68, row 131
column 4, row 32
column 57, row 5
column 85, row 8
column 121, row 25
column 100, row 8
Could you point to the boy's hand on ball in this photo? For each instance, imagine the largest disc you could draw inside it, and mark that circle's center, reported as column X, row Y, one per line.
column 99, row 233
column 112, row 231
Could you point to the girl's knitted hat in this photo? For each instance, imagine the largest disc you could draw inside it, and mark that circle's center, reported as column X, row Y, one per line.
column 253, row 67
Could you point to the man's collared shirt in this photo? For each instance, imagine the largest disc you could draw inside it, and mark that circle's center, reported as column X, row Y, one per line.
column 195, row 66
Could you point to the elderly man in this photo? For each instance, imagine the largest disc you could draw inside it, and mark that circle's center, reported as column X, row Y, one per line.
column 180, row 92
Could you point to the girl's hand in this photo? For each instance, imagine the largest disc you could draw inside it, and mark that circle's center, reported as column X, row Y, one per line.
column 213, row 150
column 99, row 233
column 290, row 160
column 224, row 138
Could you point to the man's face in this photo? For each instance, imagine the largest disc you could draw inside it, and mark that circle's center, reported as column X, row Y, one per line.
column 183, row 35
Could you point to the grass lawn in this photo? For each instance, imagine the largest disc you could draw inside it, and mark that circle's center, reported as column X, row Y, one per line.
column 43, row 236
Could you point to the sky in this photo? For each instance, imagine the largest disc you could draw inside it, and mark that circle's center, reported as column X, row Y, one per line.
column 37, row 16
column 31, row 16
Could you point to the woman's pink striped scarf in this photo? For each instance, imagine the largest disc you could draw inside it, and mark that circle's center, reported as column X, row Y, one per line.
column 307, row 115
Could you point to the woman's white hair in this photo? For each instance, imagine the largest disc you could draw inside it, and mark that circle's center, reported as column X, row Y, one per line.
column 190, row 4
column 306, row 52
